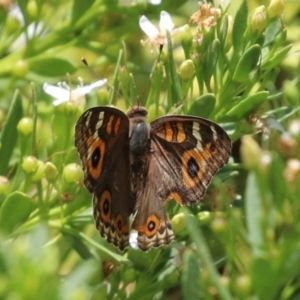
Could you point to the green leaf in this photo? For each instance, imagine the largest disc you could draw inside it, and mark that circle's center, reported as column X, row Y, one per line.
column 253, row 210
column 51, row 66
column 78, row 245
column 190, row 279
column 176, row 89
column 203, row 106
column 210, row 60
column 9, row 133
column 247, row 63
column 277, row 182
column 264, row 278
column 14, row 211
column 245, row 106
column 203, row 251
column 276, row 59
column 272, row 31
column 224, row 30
column 79, row 8
column 239, row 27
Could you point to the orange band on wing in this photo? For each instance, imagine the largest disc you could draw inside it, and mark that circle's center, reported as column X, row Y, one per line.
column 181, row 135
column 168, row 132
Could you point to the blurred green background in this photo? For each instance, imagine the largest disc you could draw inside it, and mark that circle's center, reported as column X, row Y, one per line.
column 242, row 241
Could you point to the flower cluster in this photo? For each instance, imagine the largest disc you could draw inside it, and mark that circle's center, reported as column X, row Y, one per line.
column 206, row 16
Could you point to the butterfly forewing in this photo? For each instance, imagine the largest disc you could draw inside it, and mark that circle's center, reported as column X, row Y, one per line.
column 190, row 151
column 102, row 141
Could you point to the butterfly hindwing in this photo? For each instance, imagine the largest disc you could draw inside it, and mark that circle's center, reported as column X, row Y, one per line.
column 151, row 221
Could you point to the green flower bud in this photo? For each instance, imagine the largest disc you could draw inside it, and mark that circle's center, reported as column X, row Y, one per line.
column 12, row 24
column 178, row 223
column 258, row 20
column 241, row 286
column 275, row 9
column 30, row 164
column 186, row 70
column 32, row 9
column 219, row 224
column 4, row 185
column 25, row 126
column 20, row 68
column 204, row 217
column 250, row 152
column 50, row 171
column 225, row 281
column 40, row 172
column 185, row 33
column 72, row 173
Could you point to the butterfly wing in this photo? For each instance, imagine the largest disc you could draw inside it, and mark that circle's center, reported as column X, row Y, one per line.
column 185, row 154
column 189, row 151
column 101, row 137
column 151, row 222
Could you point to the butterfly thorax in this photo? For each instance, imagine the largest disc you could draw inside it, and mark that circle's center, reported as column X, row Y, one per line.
column 139, row 145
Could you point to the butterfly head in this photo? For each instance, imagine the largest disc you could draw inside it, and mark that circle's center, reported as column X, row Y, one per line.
column 137, row 111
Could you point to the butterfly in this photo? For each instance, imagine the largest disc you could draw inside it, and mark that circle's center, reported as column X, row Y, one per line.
column 132, row 167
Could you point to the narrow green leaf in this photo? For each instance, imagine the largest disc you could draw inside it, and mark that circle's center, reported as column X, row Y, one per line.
column 113, row 95
column 9, row 133
column 51, row 66
column 78, row 245
column 272, row 31
column 276, row 58
column 247, row 63
column 210, row 61
column 190, row 276
column 79, row 8
column 224, row 30
column 203, row 251
column 14, row 211
column 239, row 27
column 34, row 114
column 253, row 210
column 203, row 106
column 268, row 287
column 177, row 94
column 245, row 106
column 277, row 181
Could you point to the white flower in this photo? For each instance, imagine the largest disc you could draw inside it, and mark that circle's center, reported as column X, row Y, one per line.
column 33, row 29
column 63, row 92
column 158, row 37
column 133, row 240
column 154, row 2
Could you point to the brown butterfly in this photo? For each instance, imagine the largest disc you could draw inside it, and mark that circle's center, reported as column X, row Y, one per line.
column 133, row 167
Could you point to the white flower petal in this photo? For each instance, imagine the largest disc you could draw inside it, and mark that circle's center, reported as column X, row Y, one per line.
column 59, row 101
column 133, row 240
column 275, row 124
column 155, row 2
column 56, row 91
column 88, row 88
column 151, row 31
column 165, row 22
